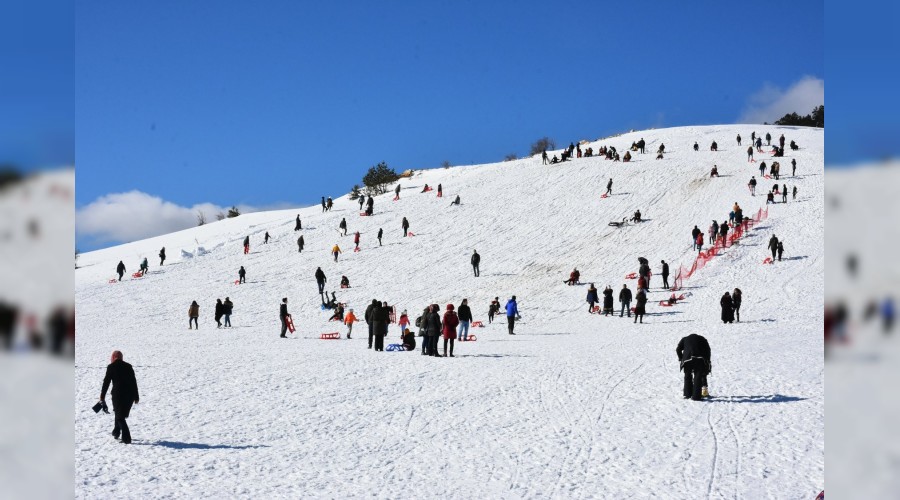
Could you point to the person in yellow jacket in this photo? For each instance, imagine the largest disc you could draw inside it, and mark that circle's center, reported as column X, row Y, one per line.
column 348, row 320
column 335, row 251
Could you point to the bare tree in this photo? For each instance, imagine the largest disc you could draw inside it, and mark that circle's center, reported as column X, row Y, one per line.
column 220, row 215
column 446, row 164
column 511, row 157
column 201, row 219
column 541, row 145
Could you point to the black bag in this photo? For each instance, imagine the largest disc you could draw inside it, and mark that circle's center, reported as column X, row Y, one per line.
column 101, row 405
column 419, row 322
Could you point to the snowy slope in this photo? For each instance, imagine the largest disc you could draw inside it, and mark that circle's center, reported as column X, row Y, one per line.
column 573, row 406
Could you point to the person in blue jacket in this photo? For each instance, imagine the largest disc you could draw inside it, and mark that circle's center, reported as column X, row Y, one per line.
column 592, row 298
column 887, row 314
column 511, row 312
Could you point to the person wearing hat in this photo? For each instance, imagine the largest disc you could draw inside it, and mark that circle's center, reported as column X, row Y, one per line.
column 465, row 319
column 403, row 322
column 433, row 329
column 124, row 393
column 409, row 340
column 284, row 315
column 512, row 310
column 451, row 321
column 348, row 320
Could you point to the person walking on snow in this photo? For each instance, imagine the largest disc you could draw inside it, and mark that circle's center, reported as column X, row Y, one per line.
column 476, row 260
column 284, row 315
column 451, row 321
column 773, row 246
column 320, row 280
column 218, row 313
column 625, row 300
column 349, row 319
column 736, row 302
column 227, row 308
column 370, row 206
column 380, row 233
column 739, row 139
column 242, row 275
column 768, row 139
column 323, row 204
column 405, row 225
column 343, row 226
column 780, row 250
column 665, row 274
column 124, row 394
column 640, row 306
column 362, row 201
column 247, row 245
column 727, row 308
column 713, row 231
column 694, row 233
column 300, row 243
column 699, row 243
column 608, row 308
column 356, row 240
column 335, row 250
column 162, row 256
column 544, row 157
column 696, row 361
column 266, row 238
column 592, row 298
column 465, row 319
column 749, row 153
column 145, row 266
column 193, row 314
column 795, row 193
column 512, row 312
column 397, row 192
column 752, row 185
column 120, row 269
column 784, row 193
column 793, row 167
column 298, row 225
column 609, row 187
column 440, row 192
column 403, row 322
column 493, row 309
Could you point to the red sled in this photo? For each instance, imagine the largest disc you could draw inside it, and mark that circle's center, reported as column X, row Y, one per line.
column 137, row 275
column 356, row 249
column 631, row 276
column 767, row 176
column 410, row 233
column 237, row 282
column 396, row 198
column 665, row 303
column 768, row 260
column 363, row 214
column 471, row 338
column 604, row 195
column 330, row 336
column 290, row 323
column 595, row 309
column 477, row 324
column 427, row 189
column 345, row 286
column 113, row 280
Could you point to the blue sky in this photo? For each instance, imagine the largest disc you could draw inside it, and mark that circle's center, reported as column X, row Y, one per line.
column 235, row 103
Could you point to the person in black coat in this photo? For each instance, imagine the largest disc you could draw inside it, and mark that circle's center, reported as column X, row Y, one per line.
column 343, row 226
column 242, row 275
column 320, row 280
column 380, row 234
column 641, row 306
column 370, row 206
column 124, row 393
column 476, row 260
column 727, row 308
column 266, row 238
column 247, row 244
column 608, row 301
column 592, row 298
column 625, row 299
column 162, row 256
column 298, row 226
column 609, row 187
column 694, row 233
column 736, row 302
column 405, row 225
column 300, row 243
column 370, row 322
column 409, row 340
column 464, row 313
column 773, row 245
column 380, row 315
column 283, row 315
column 665, row 275
column 120, row 269
column 696, row 361
column 220, row 310
column 433, row 327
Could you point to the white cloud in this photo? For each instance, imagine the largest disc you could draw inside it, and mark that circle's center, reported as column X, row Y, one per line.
column 771, row 103
column 124, row 217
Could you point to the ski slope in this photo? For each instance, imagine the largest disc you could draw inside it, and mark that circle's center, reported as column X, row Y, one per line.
column 573, row 406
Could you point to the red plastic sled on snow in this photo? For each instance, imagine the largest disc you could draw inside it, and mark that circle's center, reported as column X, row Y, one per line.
column 356, row 249
column 137, row 275
column 410, row 233
column 595, row 310
column 330, row 336
column 471, row 338
column 665, row 303
column 363, row 214
column 290, row 323
column 237, row 282
column 113, row 280
column 604, row 195
column 396, row 198
column 631, row 276
column 477, row 324
column 768, row 260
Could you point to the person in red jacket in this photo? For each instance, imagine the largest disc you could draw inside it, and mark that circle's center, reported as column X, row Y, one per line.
column 450, row 322
column 699, row 242
column 356, row 240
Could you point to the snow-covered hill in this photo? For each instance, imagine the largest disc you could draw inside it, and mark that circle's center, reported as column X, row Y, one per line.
column 573, row 406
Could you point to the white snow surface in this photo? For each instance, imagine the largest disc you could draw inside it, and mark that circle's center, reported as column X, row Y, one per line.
column 573, row 406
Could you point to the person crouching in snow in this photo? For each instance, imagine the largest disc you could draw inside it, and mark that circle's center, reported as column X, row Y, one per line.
column 409, row 340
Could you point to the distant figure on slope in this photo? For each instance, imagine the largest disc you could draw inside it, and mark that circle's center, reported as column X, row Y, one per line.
column 324, row 207
column 768, row 139
column 544, row 156
column 162, row 256
column 329, row 204
column 636, row 217
column 574, row 276
column 762, row 169
column 246, row 245
column 370, row 321
column 476, row 261
column 750, row 154
column 713, row 231
column 714, row 146
column 727, row 308
column 694, row 233
column 455, row 201
column 266, row 238
column 770, row 198
column 242, row 275
column 284, row 315
column 320, row 280
column 609, row 187
column 405, row 226
column 193, row 314
column 300, row 243
column 723, row 232
column 356, row 240
column 627, row 157
column 696, row 362
column 640, row 306
column 370, row 206
column 773, row 245
column 739, row 139
column 784, row 193
column 696, row 146
column 512, row 312
column 440, row 192
column 793, row 167
column 343, row 226
column 699, row 242
column 219, row 311
column 397, row 192
column 625, row 300
column 450, row 322
column 227, row 309
column 795, row 193
column 380, row 234
column 425, row 189
column 297, row 224
column 759, row 145
column 493, row 309
column 714, row 172
column 349, row 319
column 362, row 201
column 641, row 145
column 592, row 298
column 120, row 269
column 752, row 185
column 608, row 301
column 145, row 266
column 345, row 282
column 335, row 250
column 464, row 312
column 736, row 302
column 403, row 321
column 665, row 274
column 780, row 250
column 433, row 328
